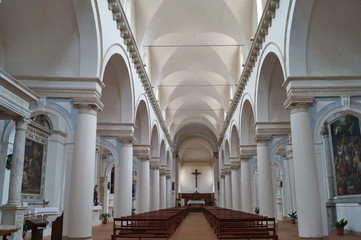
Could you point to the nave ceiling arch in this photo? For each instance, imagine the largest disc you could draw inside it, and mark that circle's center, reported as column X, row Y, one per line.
column 319, row 41
column 142, row 123
column 270, row 93
column 66, row 29
column 247, row 122
column 117, row 95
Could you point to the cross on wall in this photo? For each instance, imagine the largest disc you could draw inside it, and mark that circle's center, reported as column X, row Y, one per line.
column 196, row 173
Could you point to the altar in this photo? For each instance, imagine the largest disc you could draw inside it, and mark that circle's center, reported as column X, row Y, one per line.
column 196, row 202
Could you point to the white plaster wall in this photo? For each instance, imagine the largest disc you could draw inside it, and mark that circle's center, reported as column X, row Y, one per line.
column 350, row 212
column 205, row 180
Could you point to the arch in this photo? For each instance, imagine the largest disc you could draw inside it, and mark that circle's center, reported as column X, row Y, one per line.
column 154, row 141
column 227, row 154
column 234, row 142
column 162, row 155
column 355, row 110
column 247, row 121
column 142, row 123
column 270, row 95
column 117, row 95
column 313, row 31
column 71, row 38
column 60, row 121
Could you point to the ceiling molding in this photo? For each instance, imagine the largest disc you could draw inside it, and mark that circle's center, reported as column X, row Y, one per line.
column 129, row 41
column 265, row 23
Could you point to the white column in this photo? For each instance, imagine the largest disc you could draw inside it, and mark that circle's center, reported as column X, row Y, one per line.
column 290, row 170
column 228, row 188
column 222, row 190
column 13, row 212
column 106, row 195
column 246, row 194
column 265, row 187
column 306, row 181
column 163, row 188
column 123, row 179
column 236, row 199
column 82, row 174
column 155, row 184
column 144, row 185
column 169, row 190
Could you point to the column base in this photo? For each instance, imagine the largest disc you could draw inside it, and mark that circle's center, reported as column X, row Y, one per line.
column 13, row 215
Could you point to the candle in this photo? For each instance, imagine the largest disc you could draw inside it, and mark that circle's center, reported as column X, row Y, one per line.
column 29, row 214
column 42, row 217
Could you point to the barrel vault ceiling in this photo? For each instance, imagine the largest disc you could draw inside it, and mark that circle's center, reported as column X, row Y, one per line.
column 193, row 51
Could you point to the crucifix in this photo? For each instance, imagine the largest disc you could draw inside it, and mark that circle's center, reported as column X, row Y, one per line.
column 196, row 173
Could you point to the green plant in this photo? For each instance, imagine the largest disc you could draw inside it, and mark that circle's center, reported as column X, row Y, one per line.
column 25, row 228
column 293, row 215
column 341, row 224
column 45, row 201
column 104, row 216
column 256, row 210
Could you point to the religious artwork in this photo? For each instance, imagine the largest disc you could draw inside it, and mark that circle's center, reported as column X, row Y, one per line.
column 33, row 167
column 346, row 143
column 196, row 173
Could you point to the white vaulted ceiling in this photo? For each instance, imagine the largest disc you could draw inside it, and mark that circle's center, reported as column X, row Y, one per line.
column 193, row 51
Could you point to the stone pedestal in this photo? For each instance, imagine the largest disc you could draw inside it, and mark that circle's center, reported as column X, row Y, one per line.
column 13, row 215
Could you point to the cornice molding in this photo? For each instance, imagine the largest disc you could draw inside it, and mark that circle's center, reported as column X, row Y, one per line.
column 262, row 31
column 132, row 48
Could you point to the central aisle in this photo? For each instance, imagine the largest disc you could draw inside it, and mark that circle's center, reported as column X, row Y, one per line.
column 194, row 227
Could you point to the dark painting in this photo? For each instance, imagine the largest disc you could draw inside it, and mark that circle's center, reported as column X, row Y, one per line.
column 346, row 143
column 33, row 166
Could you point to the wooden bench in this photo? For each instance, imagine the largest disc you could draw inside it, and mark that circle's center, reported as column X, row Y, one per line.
column 155, row 224
column 230, row 224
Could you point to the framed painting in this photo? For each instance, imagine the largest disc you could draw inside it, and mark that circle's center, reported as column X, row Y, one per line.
column 346, row 144
column 33, row 167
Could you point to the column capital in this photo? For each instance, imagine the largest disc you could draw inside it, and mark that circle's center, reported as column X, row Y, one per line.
column 235, row 163
column 162, row 170
column 266, row 130
column 262, row 139
column 154, row 163
column 142, row 151
column 227, row 169
column 93, row 101
column 87, row 108
column 247, row 151
column 298, row 104
column 21, row 123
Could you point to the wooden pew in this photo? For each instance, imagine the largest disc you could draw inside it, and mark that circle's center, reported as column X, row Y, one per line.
column 230, row 224
column 155, row 224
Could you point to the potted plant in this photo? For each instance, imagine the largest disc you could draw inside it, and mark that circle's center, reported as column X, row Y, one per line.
column 45, row 203
column 104, row 217
column 293, row 216
column 340, row 225
column 256, row 210
column 25, row 229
